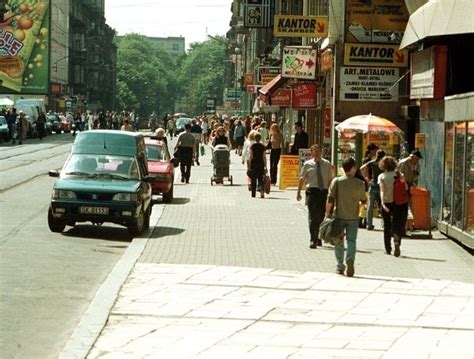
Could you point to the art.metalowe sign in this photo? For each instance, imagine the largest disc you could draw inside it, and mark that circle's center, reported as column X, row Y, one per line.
column 375, row 55
column 304, row 95
column 300, row 26
column 258, row 13
column 369, row 84
column 299, row 62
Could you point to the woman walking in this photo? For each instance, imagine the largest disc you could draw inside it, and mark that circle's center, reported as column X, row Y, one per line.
column 276, row 143
column 257, row 166
column 239, row 137
column 392, row 213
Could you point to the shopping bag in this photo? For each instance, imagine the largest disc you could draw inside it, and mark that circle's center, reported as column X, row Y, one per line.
column 202, row 150
column 267, row 184
column 330, row 230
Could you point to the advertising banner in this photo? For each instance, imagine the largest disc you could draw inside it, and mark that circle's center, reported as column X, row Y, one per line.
column 299, row 62
column 281, row 97
column 258, row 13
column 376, row 21
column 300, row 26
column 304, row 96
column 24, row 47
column 369, row 84
column 289, row 175
column 375, row 55
column 267, row 73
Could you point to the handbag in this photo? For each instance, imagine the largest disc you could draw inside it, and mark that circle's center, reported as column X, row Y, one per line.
column 330, row 230
column 267, row 184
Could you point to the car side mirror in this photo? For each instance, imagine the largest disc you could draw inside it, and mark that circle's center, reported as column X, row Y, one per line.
column 53, row 173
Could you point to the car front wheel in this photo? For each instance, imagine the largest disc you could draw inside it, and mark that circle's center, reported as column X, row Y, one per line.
column 55, row 225
column 139, row 224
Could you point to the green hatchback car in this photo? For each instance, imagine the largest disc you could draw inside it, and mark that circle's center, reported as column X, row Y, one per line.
column 105, row 179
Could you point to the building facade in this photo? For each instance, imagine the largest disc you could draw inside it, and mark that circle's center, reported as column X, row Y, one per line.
column 175, row 46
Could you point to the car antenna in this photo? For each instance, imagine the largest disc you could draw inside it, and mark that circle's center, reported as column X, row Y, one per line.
column 105, row 143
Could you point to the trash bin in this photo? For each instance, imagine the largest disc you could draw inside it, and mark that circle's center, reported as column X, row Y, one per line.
column 420, row 207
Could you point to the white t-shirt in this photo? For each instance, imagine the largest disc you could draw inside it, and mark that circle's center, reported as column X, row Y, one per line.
column 387, row 179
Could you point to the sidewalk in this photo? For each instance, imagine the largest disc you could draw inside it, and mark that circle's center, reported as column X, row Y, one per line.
column 225, row 275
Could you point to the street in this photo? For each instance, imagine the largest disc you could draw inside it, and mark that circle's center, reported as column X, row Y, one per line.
column 47, row 279
column 54, row 285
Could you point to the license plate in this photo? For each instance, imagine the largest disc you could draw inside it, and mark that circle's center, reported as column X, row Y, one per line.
column 94, row 210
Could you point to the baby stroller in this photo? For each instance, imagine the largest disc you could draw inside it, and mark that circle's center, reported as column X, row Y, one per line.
column 221, row 163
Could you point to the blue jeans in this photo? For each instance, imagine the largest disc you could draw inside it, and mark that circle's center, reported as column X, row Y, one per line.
column 374, row 196
column 350, row 228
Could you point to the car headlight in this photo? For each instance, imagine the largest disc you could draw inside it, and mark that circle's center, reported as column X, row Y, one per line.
column 63, row 194
column 126, row 197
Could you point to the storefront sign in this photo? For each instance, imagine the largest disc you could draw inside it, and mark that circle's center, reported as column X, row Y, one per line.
column 327, row 123
column 428, row 73
column 376, row 21
column 304, row 96
column 305, row 155
column 258, row 13
column 267, row 73
column 369, row 84
column 24, row 47
column 420, row 140
column 299, row 62
column 289, row 175
column 375, row 55
column 300, row 26
column 281, row 97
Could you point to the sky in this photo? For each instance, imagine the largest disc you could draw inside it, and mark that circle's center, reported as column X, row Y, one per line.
column 192, row 19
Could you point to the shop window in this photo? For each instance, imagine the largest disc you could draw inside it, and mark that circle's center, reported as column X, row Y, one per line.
column 459, row 174
column 470, row 177
column 448, row 173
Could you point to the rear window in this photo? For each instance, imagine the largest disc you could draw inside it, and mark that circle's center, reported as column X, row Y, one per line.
column 155, row 153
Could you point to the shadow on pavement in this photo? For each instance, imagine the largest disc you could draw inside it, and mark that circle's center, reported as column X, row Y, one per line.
column 424, row 259
column 178, row 200
column 85, row 231
column 160, row 232
column 382, row 279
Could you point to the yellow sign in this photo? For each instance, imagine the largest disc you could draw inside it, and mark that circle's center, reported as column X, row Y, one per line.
column 420, row 140
column 300, row 26
column 375, row 55
column 289, row 167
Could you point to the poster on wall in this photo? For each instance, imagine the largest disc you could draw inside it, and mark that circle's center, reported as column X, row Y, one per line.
column 376, row 21
column 24, row 47
column 369, row 84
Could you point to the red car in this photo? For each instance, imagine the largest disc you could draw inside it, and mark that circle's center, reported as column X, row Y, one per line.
column 159, row 165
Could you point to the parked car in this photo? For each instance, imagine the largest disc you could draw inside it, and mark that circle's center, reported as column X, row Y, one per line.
column 53, row 123
column 160, row 167
column 4, row 130
column 105, row 179
column 180, row 122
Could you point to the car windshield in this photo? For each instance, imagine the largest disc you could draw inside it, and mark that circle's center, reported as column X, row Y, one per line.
column 101, row 166
column 180, row 122
column 52, row 118
column 3, row 121
column 155, row 153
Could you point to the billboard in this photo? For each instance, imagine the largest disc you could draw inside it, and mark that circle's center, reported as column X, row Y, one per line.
column 24, row 47
column 299, row 62
column 300, row 26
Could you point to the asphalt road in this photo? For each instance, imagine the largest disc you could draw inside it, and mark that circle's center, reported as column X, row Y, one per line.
column 46, row 279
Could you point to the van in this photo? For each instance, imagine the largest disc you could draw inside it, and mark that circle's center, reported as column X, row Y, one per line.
column 104, row 179
column 35, row 102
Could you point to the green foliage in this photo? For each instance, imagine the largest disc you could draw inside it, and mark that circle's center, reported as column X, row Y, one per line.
column 149, row 79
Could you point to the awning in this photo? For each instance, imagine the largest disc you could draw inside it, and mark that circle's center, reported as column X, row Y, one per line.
column 272, row 86
column 439, row 18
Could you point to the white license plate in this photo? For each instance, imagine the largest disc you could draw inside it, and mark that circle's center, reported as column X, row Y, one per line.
column 94, row 210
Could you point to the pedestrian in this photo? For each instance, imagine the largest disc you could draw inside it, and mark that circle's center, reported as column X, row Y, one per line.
column 239, row 137
column 196, row 130
column 371, row 171
column 12, row 119
column 206, row 130
column 221, row 138
column 22, row 127
column 346, row 193
column 300, row 140
column 185, row 147
column 41, row 126
column 263, row 130
column 257, row 166
column 275, row 143
column 393, row 214
column 77, row 123
column 126, row 126
column 317, row 173
column 171, row 127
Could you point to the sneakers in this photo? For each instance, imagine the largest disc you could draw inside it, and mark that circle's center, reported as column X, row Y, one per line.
column 396, row 252
column 350, row 267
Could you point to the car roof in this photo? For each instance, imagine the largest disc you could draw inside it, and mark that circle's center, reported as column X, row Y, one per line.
column 153, row 141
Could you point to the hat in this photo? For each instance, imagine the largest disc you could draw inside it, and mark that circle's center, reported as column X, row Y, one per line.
column 372, row 146
column 416, row 153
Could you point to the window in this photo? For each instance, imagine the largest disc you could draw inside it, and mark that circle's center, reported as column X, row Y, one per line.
column 175, row 47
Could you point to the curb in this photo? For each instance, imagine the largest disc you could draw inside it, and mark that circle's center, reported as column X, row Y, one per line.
column 95, row 317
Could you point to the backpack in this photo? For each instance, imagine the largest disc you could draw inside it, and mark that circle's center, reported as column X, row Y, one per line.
column 401, row 194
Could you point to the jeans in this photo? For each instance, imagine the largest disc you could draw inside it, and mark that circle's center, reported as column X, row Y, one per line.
column 316, row 202
column 274, row 159
column 256, row 182
column 350, row 228
column 393, row 224
column 374, row 196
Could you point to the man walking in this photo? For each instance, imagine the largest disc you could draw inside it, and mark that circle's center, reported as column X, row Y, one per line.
column 186, row 149
column 317, row 173
column 300, row 140
column 347, row 192
column 196, row 130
